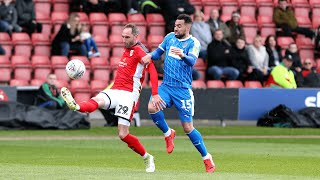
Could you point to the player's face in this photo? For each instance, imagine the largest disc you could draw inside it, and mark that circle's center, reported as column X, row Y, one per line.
column 180, row 29
column 128, row 38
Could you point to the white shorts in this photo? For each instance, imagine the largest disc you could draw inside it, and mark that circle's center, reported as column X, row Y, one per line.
column 123, row 102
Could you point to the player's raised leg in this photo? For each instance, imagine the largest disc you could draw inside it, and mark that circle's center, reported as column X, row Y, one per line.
column 85, row 106
column 134, row 143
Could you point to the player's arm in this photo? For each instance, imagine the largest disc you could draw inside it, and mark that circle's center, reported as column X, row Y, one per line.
column 156, row 99
column 189, row 59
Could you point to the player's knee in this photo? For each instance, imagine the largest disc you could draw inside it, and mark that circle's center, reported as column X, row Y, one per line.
column 151, row 108
column 100, row 101
column 122, row 134
column 187, row 128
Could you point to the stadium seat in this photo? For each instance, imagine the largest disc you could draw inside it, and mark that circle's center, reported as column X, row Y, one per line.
column 155, row 24
column 82, row 96
column 22, row 67
column 315, row 17
column 215, row 84
column 228, row 2
column 20, row 61
column 306, row 53
column 117, row 51
column 302, row 16
column 41, row 44
column 5, row 74
column 80, row 89
column 265, row 21
column 226, row 11
column 248, row 10
column 62, row 83
column 114, row 62
column 199, row 84
column 41, row 66
column 115, row 40
column 97, row 86
column 141, row 23
column 246, row 3
column 6, row 43
column 19, row 82
column 103, row 45
column 154, row 41
column 102, row 73
column 97, row 62
column 116, row 22
column 284, row 42
column 60, row 6
column 304, row 42
column 234, row 84
column 84, row 19
column 58, row 18
column 252, row 84
column 266, row 31
column 264, row 3
column 4, row 61
column 37, row 82
column 208, row 8
column 99, row 24
column 300, row 3
column 59, row 61
column 314, row 3
column 22, row 44
column 61, row 74
column 43, row 9
column 200, row 64
column 250, row 32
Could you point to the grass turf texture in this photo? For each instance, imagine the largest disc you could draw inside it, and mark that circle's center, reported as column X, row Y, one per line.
column 251, row 158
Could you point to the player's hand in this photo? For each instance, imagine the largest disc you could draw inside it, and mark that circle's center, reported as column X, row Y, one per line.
column 178, row 52
column 158, row 102
column 146, row 59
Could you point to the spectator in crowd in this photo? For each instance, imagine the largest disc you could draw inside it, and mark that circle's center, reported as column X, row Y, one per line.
column 150, row 6
column 236, row 29
column 274, row 51
column 281, row 76
column 49, row 95
column 293, row 51
column 308, row 77
column 215, row 23
column 8, row 17
column 219, row 63
column 130, row 6
column 259, row 59
column 88, row 40
column 317, row 44
column 172, row 9
column 284, row 17
column 201, row 31
column 27, row 17
column 240, row 60
column 2, row 51
column 68, row 38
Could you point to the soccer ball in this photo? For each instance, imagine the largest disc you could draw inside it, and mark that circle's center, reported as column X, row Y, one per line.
column 75, row 69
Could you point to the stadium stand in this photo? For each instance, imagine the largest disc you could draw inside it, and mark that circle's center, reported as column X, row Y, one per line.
column 215, row 84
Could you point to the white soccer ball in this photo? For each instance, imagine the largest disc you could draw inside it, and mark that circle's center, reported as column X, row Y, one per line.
column 75, row 69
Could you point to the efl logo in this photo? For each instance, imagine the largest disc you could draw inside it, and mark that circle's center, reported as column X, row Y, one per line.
column 313, row 101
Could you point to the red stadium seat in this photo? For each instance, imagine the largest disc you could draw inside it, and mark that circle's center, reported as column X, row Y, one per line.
column 315, row 17
column 19, row 82
column 314, row 3
column 300, row 3
column 83, row 17
column 248, row 10
column 43, row 8
column 62, row 83
column 250, row 32
column 261, row 3
column 154, row 41
column 200, row 64
column 4, row 61
column 37, row 82
column 306, row 53
column 265, row 21
column 41, row 44
column 61, row 74
column 81, row 90
column 99, row 24
column 23, row 73
column 22, row 44
column 6, row 43
column 61, row 7
column 302, row 16
column 82, row 96
column 59, row 17
column 234, row 84
column 266, row 31
column 116, row 41
column 228, row 2
column 199, row 84
column 284, row 42
column 155, row 24
column 41, row 66
column 215, row 84
column 5, row 74
column 97, row 86
column 20, row 61
column 227, row 11
column 252, row 84
column 208, row 8
column 304, row 42
column 117, row 19
column 117, row 51
column 59, row 61
column 102, row 73
column 97, row 62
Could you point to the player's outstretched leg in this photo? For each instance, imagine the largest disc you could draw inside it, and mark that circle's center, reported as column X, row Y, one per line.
column 158, row 119
column 134, row 144
column 86, row 106
column 196, row 139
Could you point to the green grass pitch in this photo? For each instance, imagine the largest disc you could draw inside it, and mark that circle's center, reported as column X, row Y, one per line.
column 239, row 153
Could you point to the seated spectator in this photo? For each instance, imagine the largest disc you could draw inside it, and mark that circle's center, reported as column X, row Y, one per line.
column 27, row 17
column 89, row 6
column 49, row 95
column 274, row 51
column 201, row 31
column 171, row 10
column 236, row 29
column 317, row 44
column 215, row 23
column 68, row 38
column 284, row 18
column 293, row 51
column 8, row 17
column 281, row 76
column 240, row 60
column 130, row 6
column 150, row 6
column 89, row 42
column 219, row 63
column 308, row 77
column 2, row 51
column 259, row 58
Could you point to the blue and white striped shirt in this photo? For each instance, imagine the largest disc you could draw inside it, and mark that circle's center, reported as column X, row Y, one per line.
column 176, row 72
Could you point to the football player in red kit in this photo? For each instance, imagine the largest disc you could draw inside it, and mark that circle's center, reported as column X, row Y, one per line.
column 124, row 94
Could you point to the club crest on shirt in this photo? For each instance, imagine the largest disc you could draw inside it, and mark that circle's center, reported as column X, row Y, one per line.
column 131, row 52
column 185, row 45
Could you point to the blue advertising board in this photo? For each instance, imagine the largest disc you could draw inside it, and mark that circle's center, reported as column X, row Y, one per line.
column 254, row 103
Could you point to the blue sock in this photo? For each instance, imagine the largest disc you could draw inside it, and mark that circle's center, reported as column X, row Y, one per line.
column 197, row 141
column 158, row 119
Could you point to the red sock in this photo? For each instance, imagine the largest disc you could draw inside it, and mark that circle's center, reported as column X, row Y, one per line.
column 88, row 106
column 134, row 143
